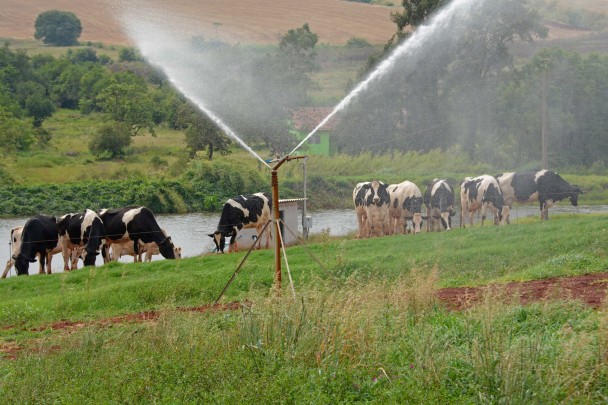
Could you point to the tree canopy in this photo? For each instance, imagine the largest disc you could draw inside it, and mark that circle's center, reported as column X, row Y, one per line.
column 59, row 28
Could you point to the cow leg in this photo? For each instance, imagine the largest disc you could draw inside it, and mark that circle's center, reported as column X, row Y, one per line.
column 136, row 248
column 49, row 260
column 42, row 259
column 10, row 263
column 65, row 252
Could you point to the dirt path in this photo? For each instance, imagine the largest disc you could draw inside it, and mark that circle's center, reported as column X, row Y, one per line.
column 589, row 288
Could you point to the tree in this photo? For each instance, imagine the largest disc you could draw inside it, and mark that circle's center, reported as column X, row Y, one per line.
column 58, row 28
column 129, row 54
column 35, row 102
column 126, row 100
column 14, row 133
column 201, row 133
column 111, row 140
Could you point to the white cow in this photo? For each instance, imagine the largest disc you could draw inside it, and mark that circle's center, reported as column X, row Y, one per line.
column 482, row 193
column 371, row 201
column 405, row 205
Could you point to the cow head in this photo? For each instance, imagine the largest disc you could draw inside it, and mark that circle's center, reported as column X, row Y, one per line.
column 504, row 214
column 22, row 265
column 446, row 218
column 220, row 240
column 574, row 195
column 89, row 258
column 166, row 248
column 417, row 221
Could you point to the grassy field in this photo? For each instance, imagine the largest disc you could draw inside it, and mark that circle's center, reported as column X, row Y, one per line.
column 366, row 327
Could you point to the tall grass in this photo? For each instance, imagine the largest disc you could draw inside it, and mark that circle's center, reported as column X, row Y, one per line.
column 377, row 340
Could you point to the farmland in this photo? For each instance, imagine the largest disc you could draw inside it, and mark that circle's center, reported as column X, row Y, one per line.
column 367, row 324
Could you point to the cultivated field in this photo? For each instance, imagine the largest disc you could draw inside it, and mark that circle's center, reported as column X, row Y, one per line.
column 335, row 21
column 263, row 21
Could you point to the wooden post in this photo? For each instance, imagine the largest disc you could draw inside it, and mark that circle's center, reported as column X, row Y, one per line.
column 276, row 218
column 543, row 119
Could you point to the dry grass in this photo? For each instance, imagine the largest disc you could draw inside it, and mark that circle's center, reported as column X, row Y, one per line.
column 264, row 21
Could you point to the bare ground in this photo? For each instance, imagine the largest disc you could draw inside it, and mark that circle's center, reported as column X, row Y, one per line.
column 262, row 21
column 589, row 288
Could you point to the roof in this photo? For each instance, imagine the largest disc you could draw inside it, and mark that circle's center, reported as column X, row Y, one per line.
column 307, row 118
column 288, row 200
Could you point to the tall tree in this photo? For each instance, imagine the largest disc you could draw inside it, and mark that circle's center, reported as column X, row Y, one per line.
column 59, row 28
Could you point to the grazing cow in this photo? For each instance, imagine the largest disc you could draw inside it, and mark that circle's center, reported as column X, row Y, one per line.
column 482, row 193
column 39, row 237
column 84, row 230
column 406, row 205
column 244, row 211
column 372, row 202
column 544, row 186
column 134, row 224
column 16, row 246
column 439, row 202
column 151, row 249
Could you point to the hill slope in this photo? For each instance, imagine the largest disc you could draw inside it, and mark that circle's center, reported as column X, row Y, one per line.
column 264, row 21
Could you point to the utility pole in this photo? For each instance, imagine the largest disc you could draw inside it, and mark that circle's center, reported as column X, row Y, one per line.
column 543, row 120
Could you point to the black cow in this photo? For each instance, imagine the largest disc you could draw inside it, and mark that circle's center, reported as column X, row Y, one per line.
column 85, row 230
column 39, row 237
column 134, row 224
column 544, row 186
column 244, row 211
column 439, row 202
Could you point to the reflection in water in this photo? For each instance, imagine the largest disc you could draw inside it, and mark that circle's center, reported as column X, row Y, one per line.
column 190, row 230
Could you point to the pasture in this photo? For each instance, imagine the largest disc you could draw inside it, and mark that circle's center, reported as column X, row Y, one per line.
column 366, row 326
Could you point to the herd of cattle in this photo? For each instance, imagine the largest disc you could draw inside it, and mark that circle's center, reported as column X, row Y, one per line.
column 117, row 232
column 381, row 210
column 397, row 208
column 130, row 231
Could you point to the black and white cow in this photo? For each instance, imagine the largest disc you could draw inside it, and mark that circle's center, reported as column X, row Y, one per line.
column 480, row 194
column 134, row 224
column 83, row 230
column 243, row 211
column 38, row 238
column 406, row 205
column 372, row 201
column 439, row 202
column 544, row 186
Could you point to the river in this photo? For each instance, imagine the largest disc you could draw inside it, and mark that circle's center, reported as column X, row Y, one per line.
column 190, row 230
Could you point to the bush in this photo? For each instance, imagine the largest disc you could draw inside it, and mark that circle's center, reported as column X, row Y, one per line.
column 111, row 141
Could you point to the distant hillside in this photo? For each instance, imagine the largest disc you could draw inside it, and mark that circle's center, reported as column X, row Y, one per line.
column 262, row 21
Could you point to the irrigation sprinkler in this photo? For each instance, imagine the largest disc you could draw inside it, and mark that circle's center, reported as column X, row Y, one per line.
column 276, row 217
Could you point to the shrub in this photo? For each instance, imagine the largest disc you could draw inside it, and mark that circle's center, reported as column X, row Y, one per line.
column 110, row 141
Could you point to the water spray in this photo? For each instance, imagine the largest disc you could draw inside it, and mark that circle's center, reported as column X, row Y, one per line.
column 412, row 44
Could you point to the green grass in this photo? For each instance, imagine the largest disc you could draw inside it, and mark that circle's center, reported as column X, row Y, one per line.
column 35, row 47
column 565, row 245
column 367, row 328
